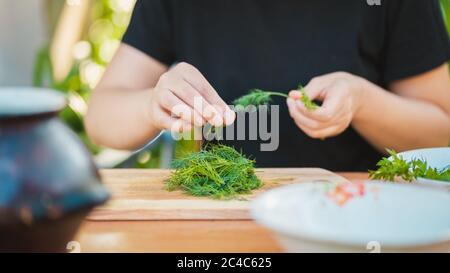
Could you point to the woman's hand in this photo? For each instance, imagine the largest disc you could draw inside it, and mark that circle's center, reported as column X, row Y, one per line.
column 341, row 94
column 182, row 98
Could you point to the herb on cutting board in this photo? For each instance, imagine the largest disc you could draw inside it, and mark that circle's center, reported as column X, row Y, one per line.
column 396, row 167
column 259, row 97
column 217, row 171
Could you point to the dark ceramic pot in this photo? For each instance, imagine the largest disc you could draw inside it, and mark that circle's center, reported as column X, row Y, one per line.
column 48, row 182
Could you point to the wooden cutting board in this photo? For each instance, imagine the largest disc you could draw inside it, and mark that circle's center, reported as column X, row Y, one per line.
column 140, row 195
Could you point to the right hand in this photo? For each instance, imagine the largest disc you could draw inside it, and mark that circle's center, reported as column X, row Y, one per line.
column 172, row 100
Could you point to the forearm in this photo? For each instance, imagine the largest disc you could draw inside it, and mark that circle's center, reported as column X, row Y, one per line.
column 117, row 119
column 388, row 120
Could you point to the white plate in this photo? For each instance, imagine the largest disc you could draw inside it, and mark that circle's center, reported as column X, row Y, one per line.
column 435, row 157
column 388, row 217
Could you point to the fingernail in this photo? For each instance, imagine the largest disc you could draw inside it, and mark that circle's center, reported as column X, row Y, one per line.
column 229, row 117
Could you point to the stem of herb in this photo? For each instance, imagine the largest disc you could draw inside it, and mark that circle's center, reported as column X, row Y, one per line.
column 270, row 93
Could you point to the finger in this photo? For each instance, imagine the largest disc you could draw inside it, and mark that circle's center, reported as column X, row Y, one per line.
column 332, row 104
column 306, row 130
column 326, row 132
column 313, row 89
column 177, row 107
column 195, row 78
column 301, row 119
column 230, row 117
column 180, row 126
column 322, row 133
column 192, row 97
column 331, row 109
column 167, row 122
column 295, row 94
column 215, row 100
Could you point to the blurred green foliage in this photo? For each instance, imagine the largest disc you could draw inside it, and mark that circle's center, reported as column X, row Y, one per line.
column 108, row 20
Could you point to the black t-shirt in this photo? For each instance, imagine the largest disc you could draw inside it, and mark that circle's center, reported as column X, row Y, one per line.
column 275, row 45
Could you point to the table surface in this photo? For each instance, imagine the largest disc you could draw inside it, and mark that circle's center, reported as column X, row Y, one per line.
column 181, row 236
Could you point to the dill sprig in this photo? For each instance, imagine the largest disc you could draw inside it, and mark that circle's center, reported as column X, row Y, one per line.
column 396, row 167
column 309, row 104
column 258, row 97
column 217, row 171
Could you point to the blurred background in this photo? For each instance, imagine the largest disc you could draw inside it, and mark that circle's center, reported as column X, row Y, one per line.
column 66, row 45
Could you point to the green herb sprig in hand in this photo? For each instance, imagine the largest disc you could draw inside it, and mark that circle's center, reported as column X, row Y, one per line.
column 396, row 167
column 309, row 104
column 258, row 97
column 217, row 171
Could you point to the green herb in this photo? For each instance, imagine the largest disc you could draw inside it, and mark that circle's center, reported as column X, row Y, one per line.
column 309, row 104
column 396, row 167
column 217, row 171
column 257, row 97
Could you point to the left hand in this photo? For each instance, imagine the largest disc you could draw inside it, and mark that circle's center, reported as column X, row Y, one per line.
column 341, row 94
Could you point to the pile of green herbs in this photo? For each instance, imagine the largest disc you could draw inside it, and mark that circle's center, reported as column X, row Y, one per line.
column 216, row 171
column 395, row 167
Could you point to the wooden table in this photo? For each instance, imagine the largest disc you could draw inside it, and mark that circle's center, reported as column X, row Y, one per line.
column 180, row 236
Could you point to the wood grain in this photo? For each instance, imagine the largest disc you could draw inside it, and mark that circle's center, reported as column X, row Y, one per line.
column 196, row 236
column 176, row 236
column 140, row 195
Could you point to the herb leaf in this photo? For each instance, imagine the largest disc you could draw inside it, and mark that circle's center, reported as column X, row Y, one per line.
column 257, row 97
column 309, row 104
column 217, row 171
column 396, row 167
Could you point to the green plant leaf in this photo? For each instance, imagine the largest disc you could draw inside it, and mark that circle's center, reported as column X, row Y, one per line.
column 217, row 171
